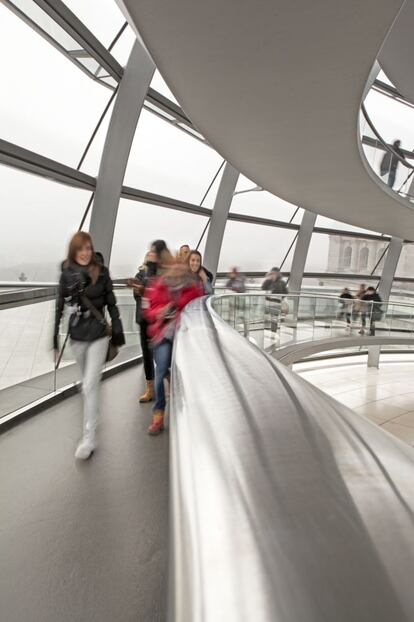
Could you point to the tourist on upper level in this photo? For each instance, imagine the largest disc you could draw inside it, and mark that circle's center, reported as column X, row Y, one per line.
column 156, row 261
column 373, row 310
column 86, row 287
column 274, row 283
column 167, row 296
column 358, row 305
column 346, row 304
column 390, row 162
column 201, row 274
column 236, row 281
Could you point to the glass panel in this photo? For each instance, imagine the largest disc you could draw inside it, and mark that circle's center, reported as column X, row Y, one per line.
column 138, row 224
column 55, row 108
column 26, row 361
column 123, row 46
column 329, row 223
column 391, row 118
column 158, row 83
column 255, row 247
column 42, row 19
column 336, row 253
column 167, row 161
column 102, row 17
column 405, row 267
column 41, row 216
column 253, row 202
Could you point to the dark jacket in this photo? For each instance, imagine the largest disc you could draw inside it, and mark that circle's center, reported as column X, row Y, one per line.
column 390, row 161
column 144, row 276
column 75, row 284
column 275, row 287
column 376, row 308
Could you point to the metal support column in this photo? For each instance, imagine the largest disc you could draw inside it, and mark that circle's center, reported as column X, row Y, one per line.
column 301, row 251
column 384, row 288
column 219, row 217
column 127, row 109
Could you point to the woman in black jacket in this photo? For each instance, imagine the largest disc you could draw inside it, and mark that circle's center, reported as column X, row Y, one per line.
column 85, row 286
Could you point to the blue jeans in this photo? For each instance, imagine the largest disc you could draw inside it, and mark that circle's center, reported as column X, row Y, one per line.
column 162, row 357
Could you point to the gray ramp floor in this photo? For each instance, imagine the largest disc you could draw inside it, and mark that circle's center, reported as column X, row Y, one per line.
column 85, row 542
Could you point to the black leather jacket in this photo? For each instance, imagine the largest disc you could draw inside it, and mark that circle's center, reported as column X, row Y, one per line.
column 74, row 284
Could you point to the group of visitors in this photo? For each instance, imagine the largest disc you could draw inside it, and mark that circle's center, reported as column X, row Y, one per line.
column 366, row 303
column 164, row 284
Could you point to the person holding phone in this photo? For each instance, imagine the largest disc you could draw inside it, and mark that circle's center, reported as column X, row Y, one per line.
column 151, row 267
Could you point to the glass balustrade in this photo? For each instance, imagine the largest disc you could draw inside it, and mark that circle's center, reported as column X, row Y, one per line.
column 27, row 368
column 273, row 322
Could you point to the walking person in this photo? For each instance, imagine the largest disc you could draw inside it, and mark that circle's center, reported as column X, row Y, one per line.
column 157, row 257
column 167, row 297
column 86, row 287
column 236, row 281
column 372, row 301
column 183, row 253
column 346, row 303
column 390, row 162
column 201, row 274
column 275, row 285
column 359, row 305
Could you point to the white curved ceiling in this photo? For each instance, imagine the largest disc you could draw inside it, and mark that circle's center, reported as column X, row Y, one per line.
column 276, row 87
column 396, row 56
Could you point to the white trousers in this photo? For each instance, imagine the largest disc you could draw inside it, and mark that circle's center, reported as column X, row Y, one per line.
column 90, row 356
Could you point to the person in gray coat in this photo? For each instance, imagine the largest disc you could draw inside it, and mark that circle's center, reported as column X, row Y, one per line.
column 274, row 284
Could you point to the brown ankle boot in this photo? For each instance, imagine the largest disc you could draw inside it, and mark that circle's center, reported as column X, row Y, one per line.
column 148, row 396
column 157, row 425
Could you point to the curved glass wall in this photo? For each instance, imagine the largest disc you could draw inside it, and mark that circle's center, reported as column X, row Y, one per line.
column 167, row 161
column 51, row 107
column 41, row 217
column 48, row 105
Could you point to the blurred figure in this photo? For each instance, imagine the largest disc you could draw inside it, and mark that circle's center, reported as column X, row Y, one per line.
column 86, row 286
column 372, row 301
column 346, row 303
column 202, row 275
column 236, row 281
column 155, row 263
column 274, row 283
column 390, row 162
column 359, row 305
column 167, row 297
column 183, row 253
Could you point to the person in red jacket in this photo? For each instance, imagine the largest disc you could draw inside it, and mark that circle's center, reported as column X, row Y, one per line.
column 166, row 299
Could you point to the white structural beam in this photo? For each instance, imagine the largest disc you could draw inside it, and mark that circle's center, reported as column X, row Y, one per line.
column 219, row 217
column 301, row 251
column 127, row 109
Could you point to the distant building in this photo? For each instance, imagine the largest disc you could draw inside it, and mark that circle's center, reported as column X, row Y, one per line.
column 360, row 256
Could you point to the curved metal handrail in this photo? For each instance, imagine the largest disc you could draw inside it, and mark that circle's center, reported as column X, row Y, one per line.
column 285, row 505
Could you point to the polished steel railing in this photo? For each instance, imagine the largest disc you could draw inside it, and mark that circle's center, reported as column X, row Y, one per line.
column 284, row 504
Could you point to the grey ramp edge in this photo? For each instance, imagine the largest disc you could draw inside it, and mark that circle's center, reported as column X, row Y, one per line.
column 285, row 505
column 297, row 351
column 85, row 542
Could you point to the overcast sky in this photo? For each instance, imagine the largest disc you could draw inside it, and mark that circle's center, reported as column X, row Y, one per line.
column 51, row 107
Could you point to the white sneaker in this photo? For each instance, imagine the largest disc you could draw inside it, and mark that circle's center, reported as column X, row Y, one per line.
column 86, row 447
column 362, row 331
